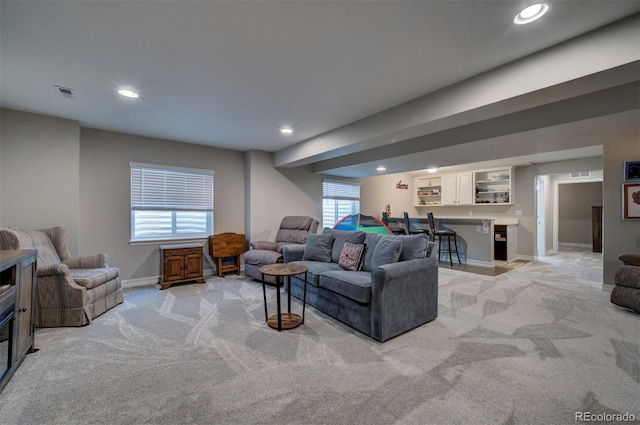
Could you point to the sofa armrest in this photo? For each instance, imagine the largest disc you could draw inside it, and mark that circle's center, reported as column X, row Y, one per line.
column 432, row 250
column 292, row 253
column 56, row 293
column 630, row 259
column 266, row 245
column 97, row 261
column 403, row 295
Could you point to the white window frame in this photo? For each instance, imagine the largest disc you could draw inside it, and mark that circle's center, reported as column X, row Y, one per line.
column 171, row 192
column 339, row 199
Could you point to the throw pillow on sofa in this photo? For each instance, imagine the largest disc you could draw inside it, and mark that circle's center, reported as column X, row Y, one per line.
column 413, row 246
column 386, row 251
column 318, row 248
column 340, row 237
column 350, row 256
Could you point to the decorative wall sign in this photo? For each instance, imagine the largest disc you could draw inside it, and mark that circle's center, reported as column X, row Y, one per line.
column 631, row 171
column 403, row 186
column 631, row 201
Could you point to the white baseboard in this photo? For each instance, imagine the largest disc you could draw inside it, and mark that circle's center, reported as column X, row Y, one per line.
column 580, row 245
column 525, row 257
column 143, row 281
column 479, row 263
column 153, row 280
column 607, row 288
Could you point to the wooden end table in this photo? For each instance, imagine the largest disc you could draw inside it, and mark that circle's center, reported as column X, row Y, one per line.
column 227, row 245
column 281, row 320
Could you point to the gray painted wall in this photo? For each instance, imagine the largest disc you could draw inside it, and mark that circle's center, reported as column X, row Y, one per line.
column 273, row 193
column 40, row 169
column 53, row 173
column 379, row 191
column 620, row 236
column 80, row 180
column 574, row 211
column 104, row 193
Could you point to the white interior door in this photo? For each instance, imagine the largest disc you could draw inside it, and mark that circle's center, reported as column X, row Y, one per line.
column 540, row 222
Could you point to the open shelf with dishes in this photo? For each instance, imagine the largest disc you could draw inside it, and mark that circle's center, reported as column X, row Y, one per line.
column 428, row 191
column 493, row 186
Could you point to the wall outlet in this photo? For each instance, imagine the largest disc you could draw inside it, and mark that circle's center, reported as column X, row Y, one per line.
column 478, row 229
column 470, row 212
column 518, row 212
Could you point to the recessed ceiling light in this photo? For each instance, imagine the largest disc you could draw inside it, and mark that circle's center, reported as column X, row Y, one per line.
column 381, row 168
column 128, row 93
column 432, row 169
column 286, row 130
column 531, row 13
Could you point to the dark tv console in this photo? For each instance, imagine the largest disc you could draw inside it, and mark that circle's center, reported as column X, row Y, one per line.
column 18, row 279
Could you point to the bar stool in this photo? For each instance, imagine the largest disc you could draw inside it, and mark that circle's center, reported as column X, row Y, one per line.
column 394, row 230
column 411, row 231
column 439, row 234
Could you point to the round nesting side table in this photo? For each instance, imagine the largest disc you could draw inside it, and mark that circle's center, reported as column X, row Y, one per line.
column 281, row 271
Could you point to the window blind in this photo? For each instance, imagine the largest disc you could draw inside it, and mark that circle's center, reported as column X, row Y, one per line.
column 161, row 188
column 340, row 190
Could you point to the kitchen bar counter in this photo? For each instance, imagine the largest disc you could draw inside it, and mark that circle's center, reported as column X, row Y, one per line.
column 475, row 235
column 496, row 220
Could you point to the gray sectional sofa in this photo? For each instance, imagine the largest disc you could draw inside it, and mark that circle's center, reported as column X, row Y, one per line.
column 394, row 290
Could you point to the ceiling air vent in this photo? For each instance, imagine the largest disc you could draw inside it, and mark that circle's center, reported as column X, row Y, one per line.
column 580, row 174
column 65, row 91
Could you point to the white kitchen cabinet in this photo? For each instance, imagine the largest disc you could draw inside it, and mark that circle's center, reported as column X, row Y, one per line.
column 457, row 189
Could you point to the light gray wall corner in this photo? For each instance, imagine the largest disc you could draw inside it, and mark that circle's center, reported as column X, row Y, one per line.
column 274, row 193
column 39, row 180
column 247, row 197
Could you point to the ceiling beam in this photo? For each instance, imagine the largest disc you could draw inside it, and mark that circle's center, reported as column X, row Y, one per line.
column 583, row 68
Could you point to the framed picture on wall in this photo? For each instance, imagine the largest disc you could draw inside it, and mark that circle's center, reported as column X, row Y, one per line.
column 632, row 171
column 631, row 201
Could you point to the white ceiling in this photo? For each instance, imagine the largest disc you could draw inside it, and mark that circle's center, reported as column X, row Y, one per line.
column 230, row 73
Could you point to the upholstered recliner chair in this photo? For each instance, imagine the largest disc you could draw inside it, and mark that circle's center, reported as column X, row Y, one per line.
column 293, row 230
column 626, row 292
column 70, row 291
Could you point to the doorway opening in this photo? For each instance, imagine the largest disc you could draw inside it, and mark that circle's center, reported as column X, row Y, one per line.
column 565, row 213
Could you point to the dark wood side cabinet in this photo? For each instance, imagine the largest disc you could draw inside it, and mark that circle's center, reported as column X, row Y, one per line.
column 180, row 263
column 227, row 246
column 18, row 280
column 596, row 224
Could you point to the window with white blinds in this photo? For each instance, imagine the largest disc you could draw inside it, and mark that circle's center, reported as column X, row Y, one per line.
column 338, row 200
column 170, row 202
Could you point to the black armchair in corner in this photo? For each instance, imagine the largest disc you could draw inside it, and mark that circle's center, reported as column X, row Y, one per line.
column 626, row 292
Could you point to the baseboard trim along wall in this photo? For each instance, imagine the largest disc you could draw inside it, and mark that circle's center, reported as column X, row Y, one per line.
column 579, row 245
column 478, row 263
column 153, row 280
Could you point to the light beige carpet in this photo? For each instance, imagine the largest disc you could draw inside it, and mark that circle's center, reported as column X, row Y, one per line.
column 532, row 346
